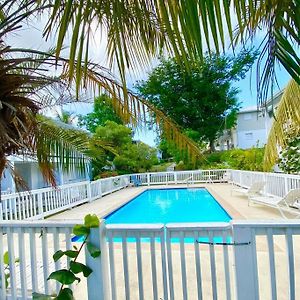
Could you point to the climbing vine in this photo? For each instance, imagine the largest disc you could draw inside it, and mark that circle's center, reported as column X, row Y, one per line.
column 68, row 276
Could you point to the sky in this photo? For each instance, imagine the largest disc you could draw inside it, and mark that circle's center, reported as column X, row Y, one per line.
column 31, row 36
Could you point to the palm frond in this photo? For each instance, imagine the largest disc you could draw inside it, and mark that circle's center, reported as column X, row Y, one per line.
column 138, row 30
column 134, row 110
column 287, row 119
column 59, row 144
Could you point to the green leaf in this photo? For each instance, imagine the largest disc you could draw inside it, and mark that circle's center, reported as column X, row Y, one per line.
column 71, row 253
column 6, row 277
column 77, row 267
column 6, row 258
column 57, row 255
column 91, row 221
column 94, row 251
column 65, row 294
column 63, row 276
column 38, row 296
column 81, row 230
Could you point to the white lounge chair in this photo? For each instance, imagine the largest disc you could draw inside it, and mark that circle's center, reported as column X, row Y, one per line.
column 256, row 189
column 289, row 203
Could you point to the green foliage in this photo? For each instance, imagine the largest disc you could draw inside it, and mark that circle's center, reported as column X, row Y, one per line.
column 129, row 156
column 249, row 159
column 67, row 276
column 101, row 113
column 6, row 268
column 113, row 133
column 200, row 99
column 162, row 167
column 136, row 157
column 289, row 160
column 64, row 276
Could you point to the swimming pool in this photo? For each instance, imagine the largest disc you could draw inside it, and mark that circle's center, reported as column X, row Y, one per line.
column 181, row 205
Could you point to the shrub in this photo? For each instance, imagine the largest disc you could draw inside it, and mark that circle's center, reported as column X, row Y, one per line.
column 249, row 159
column 289, row 160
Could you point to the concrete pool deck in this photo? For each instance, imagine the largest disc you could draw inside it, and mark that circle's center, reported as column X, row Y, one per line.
column 234, row 203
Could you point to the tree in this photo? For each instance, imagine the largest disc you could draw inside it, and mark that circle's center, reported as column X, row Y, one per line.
column 138, row 30
column 136, row 157
column 79, row 72
column 116, row 136
column 126, row 155
column 202, row 100
column 102, row 112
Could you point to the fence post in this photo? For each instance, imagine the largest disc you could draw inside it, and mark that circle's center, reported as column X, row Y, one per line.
column 40, row 205
column 100, row 189
column 245, row 263
column 97, row 282
column 286, row 188
column 89, row 191
column 148, row 179
column 175, row 177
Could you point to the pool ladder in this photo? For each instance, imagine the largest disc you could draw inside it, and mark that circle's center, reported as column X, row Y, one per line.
column 188, row 180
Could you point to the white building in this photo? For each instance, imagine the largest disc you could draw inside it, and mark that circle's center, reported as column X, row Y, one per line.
column 253, row 126
column 29, row 171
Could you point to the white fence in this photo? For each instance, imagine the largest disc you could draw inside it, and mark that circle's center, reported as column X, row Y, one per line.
column 239, row 260
column 30, row 247
column 37, row 204
column 277, row 184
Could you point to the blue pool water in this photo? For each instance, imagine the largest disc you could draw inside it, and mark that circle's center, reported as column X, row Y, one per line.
column 170, row 206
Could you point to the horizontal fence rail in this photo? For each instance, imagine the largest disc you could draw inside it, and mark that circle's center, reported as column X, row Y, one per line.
column 37, row 204
column 241, row 260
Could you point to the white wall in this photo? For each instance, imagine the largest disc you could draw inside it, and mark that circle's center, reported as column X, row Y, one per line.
column 7, row 181
column 251, row 138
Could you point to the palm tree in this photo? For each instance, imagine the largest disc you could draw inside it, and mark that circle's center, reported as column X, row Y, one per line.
column 286, row 121
column 138, row 31
column 24, row 90
column 85, row 74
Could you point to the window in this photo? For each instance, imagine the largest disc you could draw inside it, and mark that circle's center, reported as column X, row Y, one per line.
column 249, row 135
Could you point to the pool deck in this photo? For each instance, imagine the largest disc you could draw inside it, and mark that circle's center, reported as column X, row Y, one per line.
column 233, row 202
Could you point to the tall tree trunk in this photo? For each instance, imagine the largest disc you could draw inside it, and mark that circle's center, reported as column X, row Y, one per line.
column 212, row 146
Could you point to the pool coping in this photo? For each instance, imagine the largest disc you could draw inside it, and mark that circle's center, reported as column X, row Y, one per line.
column 233, row 213
column 225, row 205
